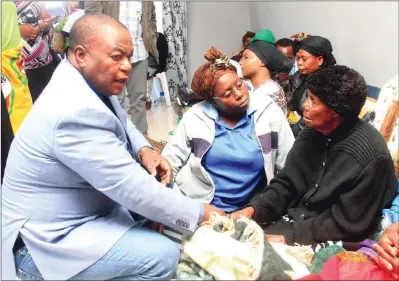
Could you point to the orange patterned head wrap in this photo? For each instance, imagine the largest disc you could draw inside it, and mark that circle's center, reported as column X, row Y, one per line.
column 206, row 76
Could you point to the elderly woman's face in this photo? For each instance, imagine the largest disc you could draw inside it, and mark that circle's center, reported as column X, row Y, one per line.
column 231, row 94
column 307, row 63
column 316, row 114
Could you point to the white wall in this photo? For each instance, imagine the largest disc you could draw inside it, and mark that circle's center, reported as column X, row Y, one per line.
column 218, row 24
column 364, row 35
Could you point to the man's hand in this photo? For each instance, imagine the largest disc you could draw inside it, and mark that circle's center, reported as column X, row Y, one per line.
column 208, row 209
column 29, row 31
column 247, row 212
column 388, row 250
column 155, row 164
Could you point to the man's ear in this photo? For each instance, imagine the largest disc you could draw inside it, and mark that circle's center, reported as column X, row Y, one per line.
column 80, row 53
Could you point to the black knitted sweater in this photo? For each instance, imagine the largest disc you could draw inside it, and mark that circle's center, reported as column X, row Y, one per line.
column 332, row 188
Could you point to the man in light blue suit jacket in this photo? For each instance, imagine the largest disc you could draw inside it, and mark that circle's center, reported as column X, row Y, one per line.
column 75, row 169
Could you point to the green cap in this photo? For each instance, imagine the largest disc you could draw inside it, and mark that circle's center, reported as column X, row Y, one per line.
column 264, row 35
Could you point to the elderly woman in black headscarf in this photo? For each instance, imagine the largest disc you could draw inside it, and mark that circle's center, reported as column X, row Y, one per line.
column 312, row 53
column 339, row 174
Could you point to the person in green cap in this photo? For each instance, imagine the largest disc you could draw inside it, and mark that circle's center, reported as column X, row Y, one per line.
column 264, row 35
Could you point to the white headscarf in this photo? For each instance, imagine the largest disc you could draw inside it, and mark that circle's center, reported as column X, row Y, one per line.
column 238, row 67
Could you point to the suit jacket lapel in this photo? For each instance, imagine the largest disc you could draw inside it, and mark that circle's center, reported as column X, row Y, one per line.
column 119, row 111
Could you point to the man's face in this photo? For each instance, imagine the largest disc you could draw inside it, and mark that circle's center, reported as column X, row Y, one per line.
column 316, row 114
column 107, row 60
column 287, row 51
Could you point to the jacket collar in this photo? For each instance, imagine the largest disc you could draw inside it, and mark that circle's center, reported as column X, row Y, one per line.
column 342, row 131
column 100, row 95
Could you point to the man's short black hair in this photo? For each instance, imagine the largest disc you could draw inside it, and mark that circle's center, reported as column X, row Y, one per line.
column 284, row 42
column 86, row 27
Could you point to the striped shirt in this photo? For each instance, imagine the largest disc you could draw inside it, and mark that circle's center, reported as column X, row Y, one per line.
column 130, row 13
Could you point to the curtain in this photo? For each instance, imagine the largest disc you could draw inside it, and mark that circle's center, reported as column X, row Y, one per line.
column 174, row 20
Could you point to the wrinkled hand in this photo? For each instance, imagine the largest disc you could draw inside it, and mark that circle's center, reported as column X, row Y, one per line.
column 208, row 209
column 247, row 212
column 388, row 250
column 156, row 164
column 29, row 31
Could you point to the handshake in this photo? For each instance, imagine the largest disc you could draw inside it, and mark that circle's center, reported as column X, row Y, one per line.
column 208, row 209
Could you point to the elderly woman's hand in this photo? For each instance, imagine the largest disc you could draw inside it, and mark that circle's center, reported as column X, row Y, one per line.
column 208, row 210
column 388, row 250
column 156, row 165
column 247, row 212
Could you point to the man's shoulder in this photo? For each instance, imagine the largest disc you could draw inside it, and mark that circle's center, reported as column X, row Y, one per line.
column 67, row 100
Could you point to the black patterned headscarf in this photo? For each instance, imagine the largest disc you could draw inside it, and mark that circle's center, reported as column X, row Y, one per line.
column 318, row 46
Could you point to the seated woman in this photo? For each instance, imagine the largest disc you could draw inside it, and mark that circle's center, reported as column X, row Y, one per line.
column 339, row 174
column 312, row 53
column 260, row 62
column 225, row 147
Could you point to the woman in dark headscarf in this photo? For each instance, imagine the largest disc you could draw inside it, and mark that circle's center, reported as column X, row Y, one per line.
column 312, row 53
column 227, row 133
column 260, row 63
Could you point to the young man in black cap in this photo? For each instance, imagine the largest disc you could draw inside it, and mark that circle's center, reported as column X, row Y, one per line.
column 339, row 174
